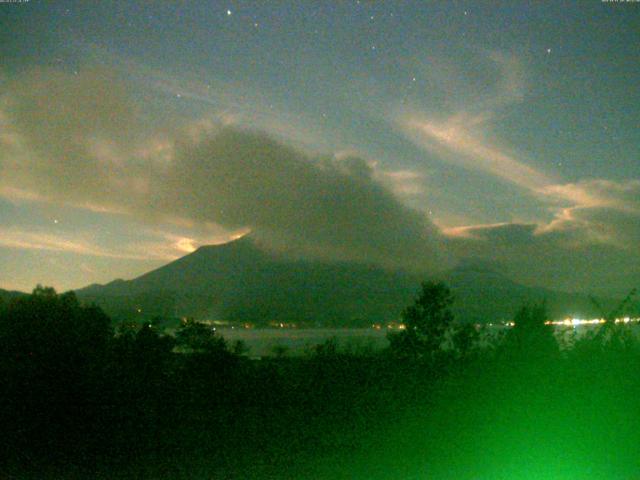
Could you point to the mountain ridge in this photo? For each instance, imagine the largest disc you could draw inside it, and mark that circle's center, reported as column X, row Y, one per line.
column 240, row 281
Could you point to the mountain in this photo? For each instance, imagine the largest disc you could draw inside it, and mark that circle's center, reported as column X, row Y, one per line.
column 485, row 295
column 8, row 295
column 240, row 281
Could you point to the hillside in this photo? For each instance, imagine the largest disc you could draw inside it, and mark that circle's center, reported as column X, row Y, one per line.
column 8, row 295
column 239, row 281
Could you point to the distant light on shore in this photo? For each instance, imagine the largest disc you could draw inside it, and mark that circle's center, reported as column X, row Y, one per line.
column 574, row 322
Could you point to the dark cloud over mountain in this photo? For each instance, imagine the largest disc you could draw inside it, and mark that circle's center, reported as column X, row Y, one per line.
column 76, row 138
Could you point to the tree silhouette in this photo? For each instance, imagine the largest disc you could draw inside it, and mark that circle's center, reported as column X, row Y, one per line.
column 53, row 354
column 197, row 337
column 465, row 339
column 618, row 311
column 531, row 336
column 54, row 329
column 426, row 322
column 611, row 335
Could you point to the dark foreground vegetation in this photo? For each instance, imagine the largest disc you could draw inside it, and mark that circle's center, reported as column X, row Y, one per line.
column 80, row 398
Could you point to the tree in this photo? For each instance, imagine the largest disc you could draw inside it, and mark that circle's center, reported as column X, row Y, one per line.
column 197, row 337
column 53, row 353
column 466, row 339
column 531, row 336
column 619, row 310
column 54, row 329
column 426, row 322
column 611, row 335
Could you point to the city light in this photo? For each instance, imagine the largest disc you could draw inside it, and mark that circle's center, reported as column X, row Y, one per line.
column 575, row 322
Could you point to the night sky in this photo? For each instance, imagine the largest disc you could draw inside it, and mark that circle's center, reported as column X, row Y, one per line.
column 420, row 135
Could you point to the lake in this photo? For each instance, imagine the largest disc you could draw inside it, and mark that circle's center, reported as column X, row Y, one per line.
column 299, row 341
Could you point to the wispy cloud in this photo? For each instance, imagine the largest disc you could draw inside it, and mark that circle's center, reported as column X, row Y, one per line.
column 402, row 182
column 461, row 135
column 154, row 245
column 34, row 240
column 471, row 231
column 465, row 137
column 225, row 103
column 458, row 140
column 604, row 210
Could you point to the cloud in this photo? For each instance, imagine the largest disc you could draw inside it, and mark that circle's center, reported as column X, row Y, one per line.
column 619, row 195
column 150, row 245
column 234, row 103
column 78, row 140
column 589, row 245
column 403, row 182
column 594, row 217
column 461, row 134
column 39, row 240
column 70, row 136
column 562, row 260
column 602, row 211
column 497, row 233
column 457, row 139
column 322, row 205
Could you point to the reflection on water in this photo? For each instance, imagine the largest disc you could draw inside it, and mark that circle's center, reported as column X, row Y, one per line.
column 262, row 342
column 300, row 341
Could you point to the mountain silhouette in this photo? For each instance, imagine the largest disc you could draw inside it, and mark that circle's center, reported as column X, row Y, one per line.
column 8, row 295
column 241, row 281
